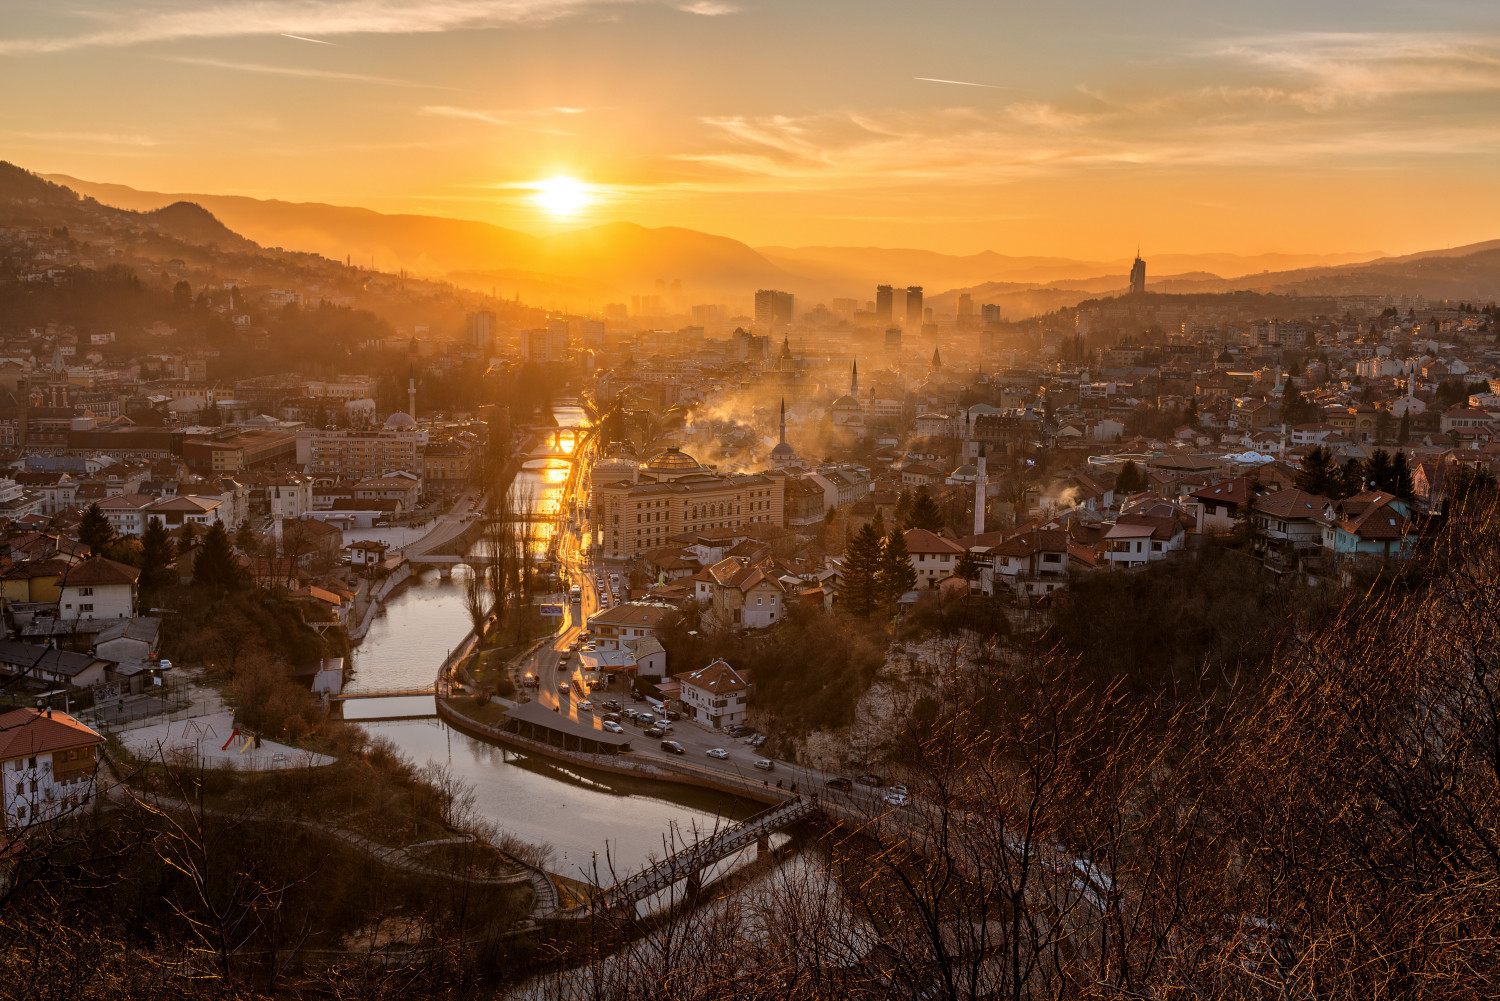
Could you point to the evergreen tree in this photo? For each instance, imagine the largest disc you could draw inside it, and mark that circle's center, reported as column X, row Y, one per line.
column 968, row 566
column 1401, row 483
column 903, row 507
column 1296, row 408
column 215, row 568
column 1317, row 475
column 157, row 552
column 1351, row 480
column 1381, row 472
column 1248, row 533
column 897, row 575
column 95, row 531
column 1383, row 427
column 1190, row 415
column 878, row 523
column 245, row 540
column 188, row 536
column 861, row 584
column 1130, row 479
column 1403, row 432
column 925, row 512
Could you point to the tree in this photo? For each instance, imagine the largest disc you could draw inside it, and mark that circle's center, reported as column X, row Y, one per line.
column 925, row 512
column 1401, row 482
column 209, row 416
column 215, row 568
column 1383, row 427
column 1296, row 408
column 245, row 540
column 968, row 566
column 1381, row 471
column 1403, row 432
column 861, row 578
column 897, row 575
column 1190, row 414
column 94, row 530
column 1351, row 480
column 157, row 552
column 1130, row 479
column 1316, row 475
column 903, row 507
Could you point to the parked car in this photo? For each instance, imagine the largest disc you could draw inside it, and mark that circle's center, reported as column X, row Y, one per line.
column 654, row 732
column 867, row 779
column 613, row 705
column 718, row 752
column 757, row 740
column 841, row 784
column 665, row 724
column 672, row 714
column 737, row 730
column 611, row 726
column 765, row 764
column 673, row 746
column 584, row 706
column 164, row 664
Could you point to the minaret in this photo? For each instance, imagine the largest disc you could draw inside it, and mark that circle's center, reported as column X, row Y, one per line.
column 1411, row 382
column 937, row 360
column 980, row 482
column 854, row 380
column 411, row 392
column 783, row 420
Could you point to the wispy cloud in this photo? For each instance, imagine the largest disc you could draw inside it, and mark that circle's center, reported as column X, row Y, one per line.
column 529, row 119
column 958, row 83
column 301, row 38
column 139, row 22
column 99, row 138
column 300, row 71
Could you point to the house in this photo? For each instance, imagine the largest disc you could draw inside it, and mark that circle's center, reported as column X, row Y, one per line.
column 128, row 639
column 45, row 665
column 33, row 582
column 1292, row 522
column 47, row 765
column 741, row 594
column 127, row 512
column 403, row 487
column 1137, row 539
column 1373, row 523
column 175, row 512
column 367, row 553
column 626, row 621
column 1037, row 562
column 716, row 695
column 932, row 556
column 1219, row 504
column 97, row 588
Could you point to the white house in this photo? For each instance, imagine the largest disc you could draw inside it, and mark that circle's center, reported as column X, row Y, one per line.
column 932, row 556
column 175, row 512
column 47, row 762
column 1137, row 539
column 97, row 588
column 127, row 512
column 715, row 696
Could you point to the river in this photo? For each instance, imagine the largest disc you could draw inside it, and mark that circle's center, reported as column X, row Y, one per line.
column 586, row 817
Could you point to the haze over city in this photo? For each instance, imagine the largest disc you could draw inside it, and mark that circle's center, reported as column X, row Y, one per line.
column 686, row 500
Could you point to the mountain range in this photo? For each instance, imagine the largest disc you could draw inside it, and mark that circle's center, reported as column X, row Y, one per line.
column 586, row 267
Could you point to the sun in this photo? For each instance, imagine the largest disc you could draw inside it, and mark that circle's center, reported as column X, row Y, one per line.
column 561, row 196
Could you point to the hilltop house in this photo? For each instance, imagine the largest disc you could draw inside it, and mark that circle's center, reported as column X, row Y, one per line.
column 715, row 696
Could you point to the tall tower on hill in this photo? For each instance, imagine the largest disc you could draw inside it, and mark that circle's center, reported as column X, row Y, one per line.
column 1138, row 276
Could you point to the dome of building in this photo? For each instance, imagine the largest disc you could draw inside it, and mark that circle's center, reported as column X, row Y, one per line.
column 783, row 449
column 673, row 460
column 400, row 420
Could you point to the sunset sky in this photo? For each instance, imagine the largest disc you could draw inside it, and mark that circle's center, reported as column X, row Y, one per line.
column 1069, row 127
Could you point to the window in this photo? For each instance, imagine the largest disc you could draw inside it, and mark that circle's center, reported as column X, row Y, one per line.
column 86, row 608
column 84, row 592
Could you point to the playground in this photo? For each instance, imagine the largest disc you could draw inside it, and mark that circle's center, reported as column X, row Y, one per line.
column 213, row 741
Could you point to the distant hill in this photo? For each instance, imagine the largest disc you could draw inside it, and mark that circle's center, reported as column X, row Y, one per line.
column 195, row 224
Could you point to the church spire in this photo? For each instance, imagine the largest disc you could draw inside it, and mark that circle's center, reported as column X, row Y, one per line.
column 937, row 359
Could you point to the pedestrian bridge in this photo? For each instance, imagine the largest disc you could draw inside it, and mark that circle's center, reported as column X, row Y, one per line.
column 691, row 861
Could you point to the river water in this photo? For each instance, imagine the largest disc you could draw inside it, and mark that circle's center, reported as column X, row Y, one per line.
column 588, row 818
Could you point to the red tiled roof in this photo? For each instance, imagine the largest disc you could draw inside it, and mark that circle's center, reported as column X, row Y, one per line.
column 25, row 732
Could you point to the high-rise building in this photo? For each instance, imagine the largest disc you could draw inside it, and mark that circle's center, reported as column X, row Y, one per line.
column 989, row 313
column 965, row 305
column 479, row 331
column 1138, row 276
column 914, row 308
column 884, row 295
column 773, row 308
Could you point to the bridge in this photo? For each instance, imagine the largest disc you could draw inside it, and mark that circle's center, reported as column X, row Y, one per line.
column 440, row 689
column 691, row 861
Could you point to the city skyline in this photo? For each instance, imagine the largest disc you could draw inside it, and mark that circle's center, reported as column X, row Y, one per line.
column 1186, row 127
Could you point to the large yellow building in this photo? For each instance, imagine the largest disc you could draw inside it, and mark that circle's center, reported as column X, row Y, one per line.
column 672, row 495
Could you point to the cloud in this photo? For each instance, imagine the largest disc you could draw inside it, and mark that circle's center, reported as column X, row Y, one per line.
column 958, row 83
column 121, row 24
column 300, row 71
column 99, row 138
column 709, row 8
column 315, row 41
column 529, row 119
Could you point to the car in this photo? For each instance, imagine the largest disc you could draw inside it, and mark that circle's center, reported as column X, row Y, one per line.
column 654, row 732
column 584, row 706
column 164, row 665
column 757, row 740
column 718, row 752
column 613, row 705
column 562, row 664
column 874, row 781
column 765, row 764
column 562, row 686
column 897, row 787
column 664, row 724
column 611, row 717
column 840, row 783
column 574, row 646
column 895, row 798
column 673, row 746
column 644, row 719
column 673, row 715
column 611, row 726
column 737, row 730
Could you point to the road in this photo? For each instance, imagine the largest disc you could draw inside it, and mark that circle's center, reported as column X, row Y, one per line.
column 445, row 529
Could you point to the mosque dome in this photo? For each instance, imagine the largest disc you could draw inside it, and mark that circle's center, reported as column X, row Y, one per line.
column 400, row 420
column 673, row 460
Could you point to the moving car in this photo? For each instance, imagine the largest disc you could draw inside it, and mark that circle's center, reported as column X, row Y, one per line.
column 673, row 746
column 613, row 705
column 665, row 724
column 840, row 783
column 562, row 664
column 654, row 732
column 718, row 752
column 562, row 686
column 875, row 781
column 612, row 726
column 611, row 717
column 895, row 798
column 765, row 764
column 584, row 706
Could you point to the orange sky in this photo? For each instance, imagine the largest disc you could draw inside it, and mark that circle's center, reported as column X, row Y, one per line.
column 1073, row 128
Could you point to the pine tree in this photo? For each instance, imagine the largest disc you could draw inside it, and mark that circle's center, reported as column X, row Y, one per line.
column 968, row 566
column 95, row 531
column 861, row 584
column 1130, row 479
column 1351, row 480
column 1383, row 427
column 1381, row 471
column 1295, row 409
column 1190, row 415
column 924, row 512
column 245, row 540
column 215, row 568
column 903, row 507
column 1401, row 482
column 157, row 552
column 1403, row 432
column 897, row 575
column 1316, row 475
